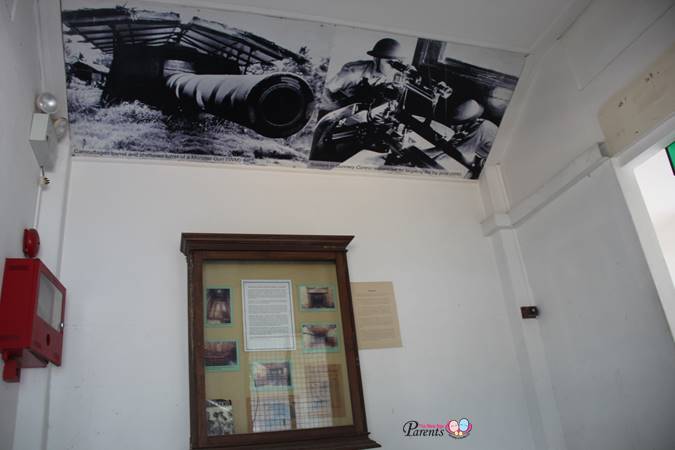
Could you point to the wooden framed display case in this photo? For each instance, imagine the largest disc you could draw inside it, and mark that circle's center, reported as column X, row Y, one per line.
column 273, row 355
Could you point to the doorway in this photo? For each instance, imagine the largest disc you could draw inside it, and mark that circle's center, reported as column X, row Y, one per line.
column 648, row 185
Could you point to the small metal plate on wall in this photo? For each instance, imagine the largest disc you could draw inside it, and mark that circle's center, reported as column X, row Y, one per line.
column 529, row 312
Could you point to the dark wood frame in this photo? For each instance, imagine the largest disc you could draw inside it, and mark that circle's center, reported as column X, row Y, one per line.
column 198, row 248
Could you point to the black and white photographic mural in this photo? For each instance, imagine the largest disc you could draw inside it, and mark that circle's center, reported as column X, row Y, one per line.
column 152, row 80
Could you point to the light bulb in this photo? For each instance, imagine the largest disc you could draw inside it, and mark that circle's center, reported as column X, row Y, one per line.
column 47, row 103
column 60, row 127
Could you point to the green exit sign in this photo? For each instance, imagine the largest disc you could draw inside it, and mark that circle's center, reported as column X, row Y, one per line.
column 671, row 155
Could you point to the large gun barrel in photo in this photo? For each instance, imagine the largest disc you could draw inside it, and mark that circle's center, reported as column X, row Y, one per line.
column 275, row 105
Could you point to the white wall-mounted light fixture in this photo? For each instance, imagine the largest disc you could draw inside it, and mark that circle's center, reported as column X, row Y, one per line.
column 46, row 130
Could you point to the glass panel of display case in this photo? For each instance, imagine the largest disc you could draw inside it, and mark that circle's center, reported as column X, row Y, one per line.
column 274, row 353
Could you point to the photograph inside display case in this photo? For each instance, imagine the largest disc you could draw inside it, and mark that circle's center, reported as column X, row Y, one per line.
column 290, row 371
column 316, row 297
column 219, row 416
column 221, row 355
column 218, row 307
column 319, row 337
column 272, row 375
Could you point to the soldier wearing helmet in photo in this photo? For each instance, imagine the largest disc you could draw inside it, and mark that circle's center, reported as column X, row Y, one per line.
column 355, row 80
column 474, row 135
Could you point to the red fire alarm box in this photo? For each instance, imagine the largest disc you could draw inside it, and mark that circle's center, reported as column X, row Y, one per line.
column 32, row 305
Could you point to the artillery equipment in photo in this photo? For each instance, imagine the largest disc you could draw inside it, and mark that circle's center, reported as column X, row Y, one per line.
column 392, row 118
column 274, row 105
column 198, row 66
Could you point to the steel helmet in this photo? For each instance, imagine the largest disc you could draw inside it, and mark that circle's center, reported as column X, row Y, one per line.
column 466, row 112
column 386, row 48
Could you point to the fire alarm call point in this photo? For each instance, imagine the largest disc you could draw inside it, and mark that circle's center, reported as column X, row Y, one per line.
column 32, row 304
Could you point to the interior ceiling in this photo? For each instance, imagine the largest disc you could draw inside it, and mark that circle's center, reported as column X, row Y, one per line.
column 507, row 24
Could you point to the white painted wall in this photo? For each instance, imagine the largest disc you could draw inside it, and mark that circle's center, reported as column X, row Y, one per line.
column 124, row 380
column 657, row 183
column 602, row 338
column 610, row 353
column 558, row 120
column 19, row 84
column 45, row 51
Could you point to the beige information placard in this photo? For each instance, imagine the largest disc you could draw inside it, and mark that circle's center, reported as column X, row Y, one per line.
column 376, row 315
